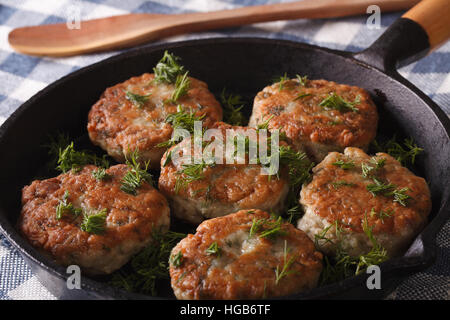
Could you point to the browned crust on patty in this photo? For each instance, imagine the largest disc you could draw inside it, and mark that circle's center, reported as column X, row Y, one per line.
column 351, row 204
column 304, row 121
column 226, row 187
column 248, row 275
column 129, row 224
column 117, row 125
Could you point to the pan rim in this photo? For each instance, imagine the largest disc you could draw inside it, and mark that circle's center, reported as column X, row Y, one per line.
column 25, row 249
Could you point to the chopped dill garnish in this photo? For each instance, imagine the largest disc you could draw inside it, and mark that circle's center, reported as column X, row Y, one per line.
column 265, row 124
column 302, row 95
column 214, row 249
column 168, row 69
column 302, row 80
column 189, row 173
column 267, row 228
column 366, row 170
column 335, row 101
column 176, row 259
column 344, row 164
column 298, row 165
column 405, row 152
column 286, row 265
column 379, row 163
column 400, row 196
column 232, row 107
column 281, row 80
column 95, row 222
column 100, row 174
column 342, row 183
column 181, row 119
column 70, row 159
column 135, row 176
column 381, row 214
column 137, row 99
column 182, row 85
column 292, row 213
column 65, row 207
column 148, row 267
column 343, row 265
column 387, row 190
column 379, row 187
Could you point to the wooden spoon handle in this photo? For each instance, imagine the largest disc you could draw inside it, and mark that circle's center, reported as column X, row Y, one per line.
column 434, row 17
column 131, row 29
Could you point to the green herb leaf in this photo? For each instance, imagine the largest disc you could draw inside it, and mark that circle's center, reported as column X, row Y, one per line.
column 95, row 222
column 281, row 80
column 342, row 183
column 177, row 259
column 137, row 99
column 150, row 265
column 286, row 266
column 232, row 106
column 405, row 152
column 214, row 249
column 344, row 164
column 70, row 159
column 168, row 69
column 302, row 80
column 334, row 101
column 182, row 85
column 135, row 176
column 189, row 173
column 100, row 174
column 379, row 187
column 65, row 207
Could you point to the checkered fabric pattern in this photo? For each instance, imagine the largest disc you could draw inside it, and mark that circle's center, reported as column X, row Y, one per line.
column 22, row 76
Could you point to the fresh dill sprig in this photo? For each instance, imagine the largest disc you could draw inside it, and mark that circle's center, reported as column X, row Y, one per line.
column 280, row 274
column 182, row 84
column 267, row 228
column 189, row 173
column 95, row 222
column 135, row 176
column 149, row 266
column 265, row 124
column 70, row 159
column 302, row 80
column 137, row 99
column 281, row 80
column 181, row 119
column 232, row 107
column 366, row 170
column 400, row 196
column 100, row 174
column 176, row 259
column 168, row 69
column 344, row 164
column 302, row 95
column 381, row 214
column 342, row 183
column 379, row 187
column 335, row 101
column 405, row 152
column 214, row 249
column 387, row 190
column 292, row 213
column 65, row 207
column 298, row 165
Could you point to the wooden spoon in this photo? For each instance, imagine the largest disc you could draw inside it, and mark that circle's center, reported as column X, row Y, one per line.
column 132, row 29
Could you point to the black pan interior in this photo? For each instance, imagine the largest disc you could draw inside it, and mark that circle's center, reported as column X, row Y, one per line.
column 242, row 66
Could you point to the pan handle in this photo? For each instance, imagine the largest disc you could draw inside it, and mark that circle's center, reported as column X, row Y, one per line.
column 419, row 31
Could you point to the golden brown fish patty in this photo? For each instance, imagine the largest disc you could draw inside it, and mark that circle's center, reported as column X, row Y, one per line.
column 339, row 199
column 117, row 124
column 294, row 108
column 130, row 219
column 224, row 188
column 223, row 261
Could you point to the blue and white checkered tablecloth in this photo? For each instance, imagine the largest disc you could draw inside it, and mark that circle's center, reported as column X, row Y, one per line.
column 22, row 76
